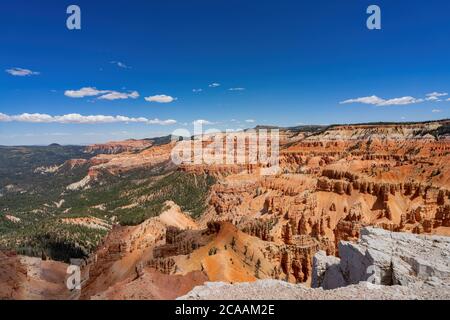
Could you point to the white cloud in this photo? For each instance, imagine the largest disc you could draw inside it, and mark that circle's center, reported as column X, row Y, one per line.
column 236, row 89
column 436, row 111
column 120, row 64
column 160, row 98
column 20, row 72
column 162, row 122
column 103, row 94
column 202, row 122
column 214, row 85
column 250, row 121
column 80, row 119
column 197, row 90
column 4, row 117
column 366, row 100
column 114, row 95
column 400, row 101
column 34, row 118
column 377, row 101
column 84, row 92
column 435, row 96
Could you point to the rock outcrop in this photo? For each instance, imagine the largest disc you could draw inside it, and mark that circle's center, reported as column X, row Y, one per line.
column 386, row 258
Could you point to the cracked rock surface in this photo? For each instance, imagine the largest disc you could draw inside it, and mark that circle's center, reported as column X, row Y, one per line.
column 386, row 258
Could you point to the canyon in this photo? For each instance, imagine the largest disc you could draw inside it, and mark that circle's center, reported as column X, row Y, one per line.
column 336, row 186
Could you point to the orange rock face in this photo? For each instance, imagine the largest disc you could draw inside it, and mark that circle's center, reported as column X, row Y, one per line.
column 330, row 185
column 333, row 183
column 127, row 161
column 115, row 147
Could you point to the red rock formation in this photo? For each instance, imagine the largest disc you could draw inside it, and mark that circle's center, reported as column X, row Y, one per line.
column 115, row 147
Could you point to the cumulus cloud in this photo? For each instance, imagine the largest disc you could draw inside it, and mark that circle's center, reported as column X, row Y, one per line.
column 80, row 119
column 197, row 90
column 162, row 122
column 366, row 100
column 214, row 85
column 102, row 94
column 435, row 96
column 160, row 98
column 114, row 95
column 202, row 122
column 377, row 101
column 84, row 92
column 250, row 121
column 436, row 111
column 400, row 101
column 236, row 89
column 20, row 72
column 34, row 118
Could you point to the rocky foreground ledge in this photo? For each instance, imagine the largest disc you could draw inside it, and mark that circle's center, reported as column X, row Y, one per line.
column 279, row 290
column 403, row 266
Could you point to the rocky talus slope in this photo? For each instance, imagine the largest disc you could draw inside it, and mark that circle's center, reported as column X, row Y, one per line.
column 381, row 266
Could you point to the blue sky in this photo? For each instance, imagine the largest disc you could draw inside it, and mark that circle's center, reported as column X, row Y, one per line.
column 291, row 62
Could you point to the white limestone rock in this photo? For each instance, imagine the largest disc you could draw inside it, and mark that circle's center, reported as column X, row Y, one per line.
column 327, row 273
column 387, row 258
